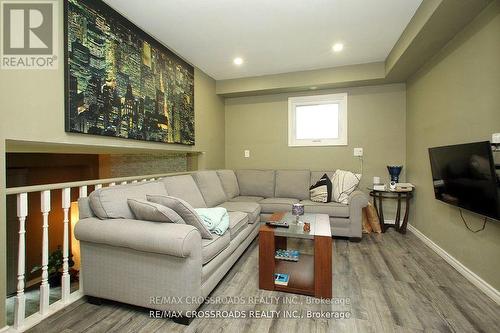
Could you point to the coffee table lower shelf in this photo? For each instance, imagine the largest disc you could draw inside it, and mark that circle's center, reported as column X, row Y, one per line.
column 301, row 275
column 312, row 274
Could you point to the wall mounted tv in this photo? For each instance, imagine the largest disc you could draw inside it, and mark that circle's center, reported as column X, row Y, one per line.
column 464, row 175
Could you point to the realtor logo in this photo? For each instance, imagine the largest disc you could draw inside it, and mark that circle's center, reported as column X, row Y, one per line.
column 29, row 35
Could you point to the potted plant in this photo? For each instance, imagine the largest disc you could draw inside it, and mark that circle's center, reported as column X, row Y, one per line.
column 55, row 266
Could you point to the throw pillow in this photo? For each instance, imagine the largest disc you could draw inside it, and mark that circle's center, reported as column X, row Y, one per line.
column 150, row 211
column 344, row 183
column 185, row 210
column 322, row 190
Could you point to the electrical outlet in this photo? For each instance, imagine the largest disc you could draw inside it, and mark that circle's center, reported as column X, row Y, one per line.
column 247, row 153
column 358, row 152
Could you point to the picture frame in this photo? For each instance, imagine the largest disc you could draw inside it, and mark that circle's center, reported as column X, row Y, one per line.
column 120, row 81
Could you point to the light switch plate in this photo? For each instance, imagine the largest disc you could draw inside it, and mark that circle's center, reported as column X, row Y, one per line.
column 495, row 138
column 358, row 152
column 247, row 153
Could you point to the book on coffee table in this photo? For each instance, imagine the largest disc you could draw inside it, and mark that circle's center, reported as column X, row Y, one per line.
column 281, row 279
column 277, row 220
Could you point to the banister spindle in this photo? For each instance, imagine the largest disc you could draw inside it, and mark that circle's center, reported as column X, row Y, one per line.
column 134, row 181
column 123, row 183
column 82, row 191
column 65, row 282
column 112, row 184
column 83, row 194
column 20, row 300
column 98, row 186
column 44, row 287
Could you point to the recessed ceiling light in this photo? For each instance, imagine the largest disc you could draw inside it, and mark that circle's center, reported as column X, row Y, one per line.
column 238, row 61
column 337, row 47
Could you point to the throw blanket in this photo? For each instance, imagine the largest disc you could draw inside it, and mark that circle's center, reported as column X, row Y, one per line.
column 215, row 219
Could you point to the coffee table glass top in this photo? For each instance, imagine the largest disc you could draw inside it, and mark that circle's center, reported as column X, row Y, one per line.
column 297, row 230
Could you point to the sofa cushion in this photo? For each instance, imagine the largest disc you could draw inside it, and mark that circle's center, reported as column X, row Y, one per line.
column 185, row 210
column 322, row 190
column 258, row 183
column 333, row 209
column 274, row 205
column 343, row 184
column 246, row 198
column 84, row 209
column 210, row 248
column 251, row 208
column 210, row 187
column 292, row 184
column 237, row 222
column 229, row 183
column 316, row 175
column 111, row 202
column 184, row 187
column 150, row 211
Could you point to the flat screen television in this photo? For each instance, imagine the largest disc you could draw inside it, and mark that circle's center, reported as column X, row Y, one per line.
column 464, row 175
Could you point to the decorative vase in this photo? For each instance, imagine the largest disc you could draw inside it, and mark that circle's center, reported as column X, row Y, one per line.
column 394, row 172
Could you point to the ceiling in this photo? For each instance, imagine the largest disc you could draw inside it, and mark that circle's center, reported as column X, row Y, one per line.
column 272, row 36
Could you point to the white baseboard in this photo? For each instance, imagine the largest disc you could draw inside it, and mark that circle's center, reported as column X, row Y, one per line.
column 484, row 286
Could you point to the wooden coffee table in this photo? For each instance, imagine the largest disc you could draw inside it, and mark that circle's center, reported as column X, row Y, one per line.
column 312, row 274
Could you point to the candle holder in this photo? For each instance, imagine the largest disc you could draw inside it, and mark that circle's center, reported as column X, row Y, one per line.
column 297, row 211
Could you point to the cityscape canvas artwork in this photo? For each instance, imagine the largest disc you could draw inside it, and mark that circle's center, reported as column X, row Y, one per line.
column 120, row 82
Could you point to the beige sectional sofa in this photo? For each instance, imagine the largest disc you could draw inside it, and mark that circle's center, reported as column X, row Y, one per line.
column 139, row 262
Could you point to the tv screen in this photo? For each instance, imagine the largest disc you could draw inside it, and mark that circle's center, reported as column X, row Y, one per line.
column 464, row 175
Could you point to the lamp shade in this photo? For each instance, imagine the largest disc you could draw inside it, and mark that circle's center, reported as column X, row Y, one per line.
column 298, row 209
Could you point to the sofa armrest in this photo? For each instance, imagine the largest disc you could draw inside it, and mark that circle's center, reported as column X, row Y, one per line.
column 179, row 240
column 357, row 201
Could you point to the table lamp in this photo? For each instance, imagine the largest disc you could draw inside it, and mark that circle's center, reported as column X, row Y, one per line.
column 297, row 211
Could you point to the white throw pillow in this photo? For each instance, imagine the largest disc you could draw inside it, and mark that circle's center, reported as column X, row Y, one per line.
column 343, row 184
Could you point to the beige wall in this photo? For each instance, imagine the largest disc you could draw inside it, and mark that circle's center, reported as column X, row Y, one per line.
column 32, row 108
column 376, row 122
column 3, row 229
column 209, row 122
column 456, row 99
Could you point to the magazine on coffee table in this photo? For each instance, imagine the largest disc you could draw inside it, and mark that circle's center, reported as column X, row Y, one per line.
column 277, row 220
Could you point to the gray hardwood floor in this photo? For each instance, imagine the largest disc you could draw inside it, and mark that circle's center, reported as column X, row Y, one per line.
column 394, row 283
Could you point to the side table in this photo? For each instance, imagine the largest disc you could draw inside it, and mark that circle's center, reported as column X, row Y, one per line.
column 378, row 197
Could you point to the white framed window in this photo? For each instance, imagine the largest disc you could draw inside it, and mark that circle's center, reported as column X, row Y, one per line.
column 319, row 120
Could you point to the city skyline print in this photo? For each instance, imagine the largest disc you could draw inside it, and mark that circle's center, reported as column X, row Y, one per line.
column 120, row 82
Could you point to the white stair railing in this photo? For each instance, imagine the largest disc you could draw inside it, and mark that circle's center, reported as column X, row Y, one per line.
column 44, row 287
column 21, row 322
column 20, row 301
column 65, row 283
